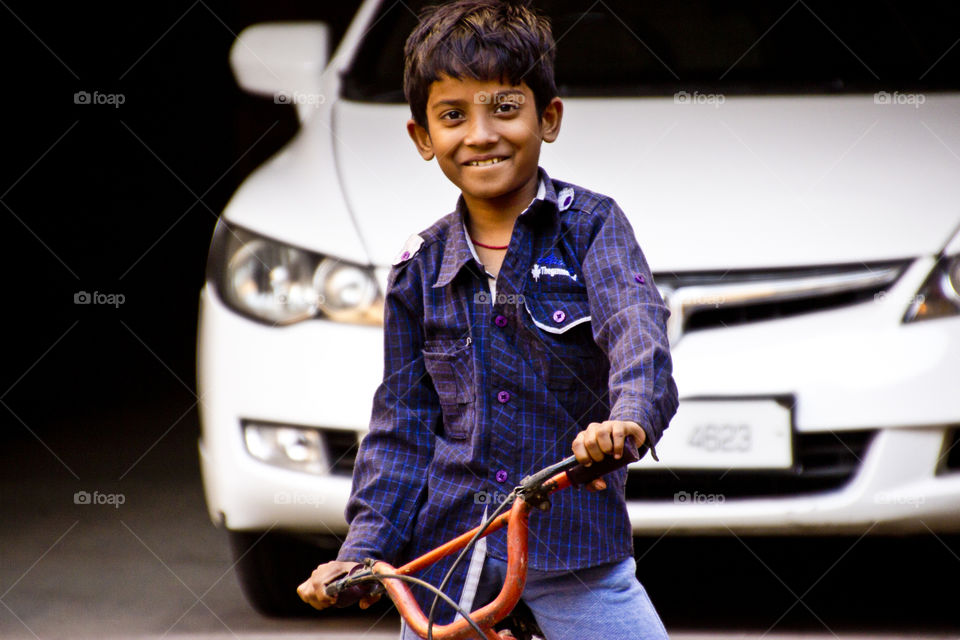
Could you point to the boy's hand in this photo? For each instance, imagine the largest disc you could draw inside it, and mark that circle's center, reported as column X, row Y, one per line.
column 604, row 438
column 312, row 591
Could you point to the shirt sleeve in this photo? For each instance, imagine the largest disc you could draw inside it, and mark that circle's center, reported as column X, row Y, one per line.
column 390, row 476
column 629, row 321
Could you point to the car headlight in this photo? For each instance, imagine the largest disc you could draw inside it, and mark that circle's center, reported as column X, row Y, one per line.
column 281, row 284
column 939, row 296
column 344, row 289
column 295, row 448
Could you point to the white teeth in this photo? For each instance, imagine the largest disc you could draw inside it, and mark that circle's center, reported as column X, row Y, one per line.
column 483, row 163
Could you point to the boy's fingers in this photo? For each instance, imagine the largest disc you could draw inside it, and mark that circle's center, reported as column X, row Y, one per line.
column 593, row 449
column 590, row 441
column 605, row 439
column 597, row 484
column 309, row 595
column 306, row 591
column 618, row 436
column 312, row 591
column 580, row 452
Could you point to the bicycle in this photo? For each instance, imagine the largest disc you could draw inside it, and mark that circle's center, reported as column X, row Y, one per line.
column 375, row 577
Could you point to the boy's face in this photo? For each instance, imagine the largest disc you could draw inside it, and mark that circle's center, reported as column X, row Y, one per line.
column 485, row 135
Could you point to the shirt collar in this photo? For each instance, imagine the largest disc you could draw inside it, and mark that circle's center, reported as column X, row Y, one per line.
column 458, row 250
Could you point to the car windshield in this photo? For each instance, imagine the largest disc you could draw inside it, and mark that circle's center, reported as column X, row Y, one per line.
column 630, row 48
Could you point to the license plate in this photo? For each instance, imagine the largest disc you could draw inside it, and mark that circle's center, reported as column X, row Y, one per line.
column 725, row 434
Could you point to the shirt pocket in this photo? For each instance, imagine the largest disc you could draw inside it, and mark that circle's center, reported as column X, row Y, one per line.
column 562, row 343
column 450, row 365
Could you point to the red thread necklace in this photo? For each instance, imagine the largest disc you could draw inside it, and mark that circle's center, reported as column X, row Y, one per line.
column 488, row 246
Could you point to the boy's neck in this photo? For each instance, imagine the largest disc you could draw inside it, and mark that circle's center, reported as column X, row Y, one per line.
column 492, row 219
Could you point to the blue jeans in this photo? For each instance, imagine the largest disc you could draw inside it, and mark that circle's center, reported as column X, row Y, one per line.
column 600, row 603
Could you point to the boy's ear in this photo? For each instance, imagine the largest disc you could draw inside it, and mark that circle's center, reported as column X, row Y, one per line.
column 421, row 139
column 550, row 120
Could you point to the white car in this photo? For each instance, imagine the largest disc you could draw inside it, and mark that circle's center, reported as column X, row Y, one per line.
column 802, row 220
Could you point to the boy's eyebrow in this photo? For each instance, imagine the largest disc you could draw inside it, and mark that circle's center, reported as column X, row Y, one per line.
column 456, row 102
column 452, row 102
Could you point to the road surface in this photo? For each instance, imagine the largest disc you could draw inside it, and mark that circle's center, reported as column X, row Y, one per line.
column 141, row 559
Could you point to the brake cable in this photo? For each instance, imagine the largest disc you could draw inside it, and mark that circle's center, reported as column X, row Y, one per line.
column 463, row 552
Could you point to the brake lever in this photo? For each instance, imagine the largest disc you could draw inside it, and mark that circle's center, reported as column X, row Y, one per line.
column 352, row 587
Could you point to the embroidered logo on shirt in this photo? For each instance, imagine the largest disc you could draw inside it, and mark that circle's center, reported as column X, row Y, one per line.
column 551, row 265
column 551, row 260
column 565, row 198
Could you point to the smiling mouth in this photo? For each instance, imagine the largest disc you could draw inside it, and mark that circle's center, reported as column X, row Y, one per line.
column 485, row 163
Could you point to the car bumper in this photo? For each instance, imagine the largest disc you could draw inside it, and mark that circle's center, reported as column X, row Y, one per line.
column 896, row 490
column 853, row 368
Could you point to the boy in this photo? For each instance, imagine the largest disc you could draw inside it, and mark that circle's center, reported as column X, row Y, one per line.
column 524, row 321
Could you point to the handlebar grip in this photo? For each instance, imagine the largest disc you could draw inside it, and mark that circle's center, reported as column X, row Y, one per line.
column 581, row 475
column 352, row 595
column 348, row 595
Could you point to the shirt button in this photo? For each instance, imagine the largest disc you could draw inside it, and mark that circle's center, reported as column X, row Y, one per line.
column 406, row 254
column 503, row 397
column 559, row 316
column 639, row 278
column 501, row 476
column 500, row 321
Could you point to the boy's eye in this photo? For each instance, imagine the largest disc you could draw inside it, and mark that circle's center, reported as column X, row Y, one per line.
column 453, row 114
column 506, row 107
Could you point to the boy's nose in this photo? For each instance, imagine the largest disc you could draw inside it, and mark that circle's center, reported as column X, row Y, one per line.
column 481, row 132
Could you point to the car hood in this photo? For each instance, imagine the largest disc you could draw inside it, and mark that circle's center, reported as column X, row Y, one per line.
column 746, row 182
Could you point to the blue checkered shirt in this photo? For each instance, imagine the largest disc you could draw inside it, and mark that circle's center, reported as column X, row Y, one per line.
column 480, row 390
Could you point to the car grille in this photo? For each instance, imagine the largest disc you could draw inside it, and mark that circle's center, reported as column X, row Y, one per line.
column 950, row 458
column 822, row 462
column 713, row 299
column 341, row 450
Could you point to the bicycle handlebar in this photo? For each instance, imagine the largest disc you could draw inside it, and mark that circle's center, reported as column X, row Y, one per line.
column 581, row 475
column 347, row 590
column 360, row 581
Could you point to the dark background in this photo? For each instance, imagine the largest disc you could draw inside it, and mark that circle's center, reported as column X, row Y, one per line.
column 120, row 200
